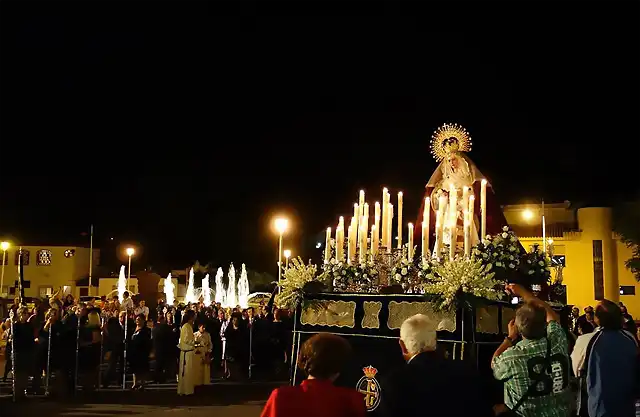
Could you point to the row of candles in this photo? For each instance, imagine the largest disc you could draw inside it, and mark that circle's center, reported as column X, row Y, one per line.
column 359, row 231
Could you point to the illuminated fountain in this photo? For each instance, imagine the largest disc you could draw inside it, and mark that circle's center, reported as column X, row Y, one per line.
column 232, row 293
column 206, row 291
column 122, row 284
column 169, row 289
column 191, row 292
column 243, row 288
column 221, row 294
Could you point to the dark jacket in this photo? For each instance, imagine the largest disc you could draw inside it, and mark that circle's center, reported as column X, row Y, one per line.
column 429, row 385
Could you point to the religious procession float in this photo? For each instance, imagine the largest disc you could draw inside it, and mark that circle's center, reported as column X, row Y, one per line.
column 452, row 268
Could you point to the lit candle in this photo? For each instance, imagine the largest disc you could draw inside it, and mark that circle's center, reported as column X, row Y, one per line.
column 363, row 243
column 410, row 249
column 465, row 197
column 374, row 240
column 351, row 249
column 425, row 227
column 385, row 215
column 361, row 201
column 400, row 220
column 442, row 202
column 390, row 227
column 472, row 202
column 376, row 220
column 453, row 222
column 327, row 246
column 467, row 243
column 365, row 218
column 340, row 240
column 483, row 208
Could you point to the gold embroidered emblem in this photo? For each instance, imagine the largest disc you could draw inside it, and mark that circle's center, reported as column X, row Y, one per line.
column 368, row 386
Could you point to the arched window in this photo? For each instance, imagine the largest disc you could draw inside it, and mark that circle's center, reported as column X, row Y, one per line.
column 43, row 257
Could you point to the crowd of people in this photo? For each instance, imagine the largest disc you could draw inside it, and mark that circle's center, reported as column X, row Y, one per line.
column 546, row 371
column 587, row 370
column 188, row 343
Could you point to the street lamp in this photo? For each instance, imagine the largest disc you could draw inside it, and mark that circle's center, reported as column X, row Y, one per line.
column 281, row 225
column 527, row 214
column 4, row 246
column 287, row 255
column 130, row 252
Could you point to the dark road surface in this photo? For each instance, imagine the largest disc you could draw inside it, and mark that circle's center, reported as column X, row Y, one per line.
column 219, row 400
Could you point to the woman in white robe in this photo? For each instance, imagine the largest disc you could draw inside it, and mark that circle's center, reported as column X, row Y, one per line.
column 204, row 347
column 187, row 354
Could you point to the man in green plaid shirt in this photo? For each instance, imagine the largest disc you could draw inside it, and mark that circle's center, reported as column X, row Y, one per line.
column 520, row 364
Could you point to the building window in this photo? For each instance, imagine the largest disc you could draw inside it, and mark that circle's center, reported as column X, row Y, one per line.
column 627, row 290
column 43, row 257
column 4, row 290
column 598, row 271
column 45, row 292
column 25, row 257
column 69, row 253
column 84, row 292
column 558, row 260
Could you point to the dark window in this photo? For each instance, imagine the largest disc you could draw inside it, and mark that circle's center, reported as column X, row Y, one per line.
column 598, row 271
column 84, row 292
column 558, row 260
column 27, row 284
column 627, row 290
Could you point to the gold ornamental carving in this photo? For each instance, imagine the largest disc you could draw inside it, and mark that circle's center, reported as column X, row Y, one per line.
column 400, row 311
column 371, row 319
column 329, row 313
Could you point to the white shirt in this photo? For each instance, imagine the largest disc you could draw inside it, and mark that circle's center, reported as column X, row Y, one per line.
column 580, row 351
column 142, row 310
column 127, row 304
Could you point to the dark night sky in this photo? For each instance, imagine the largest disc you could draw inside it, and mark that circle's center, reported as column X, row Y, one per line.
column 184, row 125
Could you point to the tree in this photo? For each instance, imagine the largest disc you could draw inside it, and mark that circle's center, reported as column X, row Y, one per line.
column 627, row 226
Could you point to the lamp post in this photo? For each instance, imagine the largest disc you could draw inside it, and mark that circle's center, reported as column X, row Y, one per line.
column 281, row 225
column 130, row 252
column 4, row 246
column 287, row 255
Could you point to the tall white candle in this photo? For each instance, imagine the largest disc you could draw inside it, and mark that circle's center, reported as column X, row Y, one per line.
column 465, row 197
column 410, row 248
column 385, row 215
column 327, row 246
column 340, row 239
column 365, row 218
column 376, row 220
column 400, row 220
column 374, row 240
column 483, row 208
column 356, row 217
column 390, row 227
column 453, row 222
column 361, row 201
column 426, row 214
column 467, row 236
column 350, row 242
column 472, row 202
column 363, row 243
column 442, row 202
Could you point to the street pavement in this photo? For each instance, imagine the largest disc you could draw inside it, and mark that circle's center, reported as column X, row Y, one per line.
column 222, row 399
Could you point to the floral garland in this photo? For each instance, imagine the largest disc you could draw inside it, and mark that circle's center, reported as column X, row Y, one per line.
column 500, row 253
column 451, row 281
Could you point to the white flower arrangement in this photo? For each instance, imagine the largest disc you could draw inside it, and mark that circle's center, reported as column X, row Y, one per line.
column 499, row 252
column 461, row 276
column 295, row 278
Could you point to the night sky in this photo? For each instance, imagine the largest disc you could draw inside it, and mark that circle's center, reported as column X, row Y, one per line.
column 184, row 126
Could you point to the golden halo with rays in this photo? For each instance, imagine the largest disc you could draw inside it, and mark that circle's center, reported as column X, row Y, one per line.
column 440, row 140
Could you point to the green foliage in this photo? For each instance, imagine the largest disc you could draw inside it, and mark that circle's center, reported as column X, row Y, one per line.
column 626, row 219
column 294, row 282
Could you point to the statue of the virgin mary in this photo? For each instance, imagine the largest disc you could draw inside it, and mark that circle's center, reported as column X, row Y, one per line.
column 455, row 172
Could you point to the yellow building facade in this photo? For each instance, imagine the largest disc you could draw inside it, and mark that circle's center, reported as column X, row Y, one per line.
column 46, row 269
column 583, row 240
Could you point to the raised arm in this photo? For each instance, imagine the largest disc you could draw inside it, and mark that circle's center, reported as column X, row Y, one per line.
column 528, row 297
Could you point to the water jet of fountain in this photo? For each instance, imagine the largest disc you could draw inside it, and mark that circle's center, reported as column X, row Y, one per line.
column 122, row 284
column 220, row 292
column 191, row 293
column 243, row 288
column 232, row 294
column 169, row 290
column 206, row 291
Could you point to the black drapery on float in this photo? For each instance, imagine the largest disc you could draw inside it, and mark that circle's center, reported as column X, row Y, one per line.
column 371, row 323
